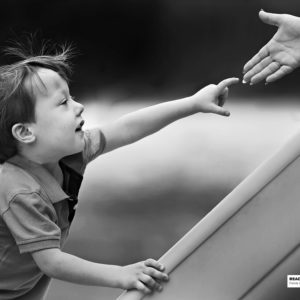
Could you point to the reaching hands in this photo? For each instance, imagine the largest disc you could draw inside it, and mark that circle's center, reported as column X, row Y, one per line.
column 144, row 276
column 211, row 98
column 281, row 55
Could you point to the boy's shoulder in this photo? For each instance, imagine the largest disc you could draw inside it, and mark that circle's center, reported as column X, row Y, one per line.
column 15, row 179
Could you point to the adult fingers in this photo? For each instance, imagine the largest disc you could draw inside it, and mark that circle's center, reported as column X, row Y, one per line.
column 282, row 71
column 257, row 68
column 270, row 18
column 270, row 69
column 262, row 53
column 226, row 83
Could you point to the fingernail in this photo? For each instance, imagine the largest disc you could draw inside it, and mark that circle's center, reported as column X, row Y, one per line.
column 251, row 83
column 261, row 9
column 166, row 277
column 244, row 81
column 160, row 288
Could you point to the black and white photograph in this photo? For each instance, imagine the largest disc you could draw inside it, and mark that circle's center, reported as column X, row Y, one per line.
column 150, row 150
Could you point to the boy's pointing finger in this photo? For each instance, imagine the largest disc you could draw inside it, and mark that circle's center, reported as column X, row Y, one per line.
column 227, row 82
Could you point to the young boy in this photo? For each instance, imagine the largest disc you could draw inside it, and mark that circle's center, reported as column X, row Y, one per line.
column 44, row 152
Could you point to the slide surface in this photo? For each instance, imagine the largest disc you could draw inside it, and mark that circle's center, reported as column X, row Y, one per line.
column 247, row 245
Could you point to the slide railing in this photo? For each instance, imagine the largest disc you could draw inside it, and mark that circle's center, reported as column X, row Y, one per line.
column 247, row 245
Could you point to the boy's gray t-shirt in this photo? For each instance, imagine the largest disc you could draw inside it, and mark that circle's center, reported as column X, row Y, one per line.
column 36, row 214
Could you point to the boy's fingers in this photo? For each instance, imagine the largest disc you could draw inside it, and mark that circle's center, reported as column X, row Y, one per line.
column 156, row 274
column 221, row 111
column 262, row 53
column 154, row 263
column 141, row 287
column 150, row 262
column 223, row 97
column 225, row 83
column 270, row 18
column 149, row 281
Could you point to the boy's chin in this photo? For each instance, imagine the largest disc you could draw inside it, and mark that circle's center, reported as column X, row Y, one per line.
column 78, row 148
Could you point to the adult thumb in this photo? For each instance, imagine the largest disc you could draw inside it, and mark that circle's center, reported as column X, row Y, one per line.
column 270, row 18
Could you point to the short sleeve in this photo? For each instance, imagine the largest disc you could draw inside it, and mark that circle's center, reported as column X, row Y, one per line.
column 32, row 223
column 94, row 144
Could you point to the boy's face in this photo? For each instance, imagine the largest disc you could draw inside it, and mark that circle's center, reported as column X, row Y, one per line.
column 57, row 128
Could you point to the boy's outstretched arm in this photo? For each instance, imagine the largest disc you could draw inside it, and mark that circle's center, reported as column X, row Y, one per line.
column 134, row 126
column 145, row 276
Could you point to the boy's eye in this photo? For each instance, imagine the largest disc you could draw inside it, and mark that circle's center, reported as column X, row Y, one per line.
column 64, row 102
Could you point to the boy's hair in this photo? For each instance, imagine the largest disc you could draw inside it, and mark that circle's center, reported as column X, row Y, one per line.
column 17, row 103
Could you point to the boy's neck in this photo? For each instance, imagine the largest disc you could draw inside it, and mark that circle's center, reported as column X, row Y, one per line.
column 48, row 163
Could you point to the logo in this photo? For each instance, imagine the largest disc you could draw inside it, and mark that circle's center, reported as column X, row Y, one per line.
column 293, row 281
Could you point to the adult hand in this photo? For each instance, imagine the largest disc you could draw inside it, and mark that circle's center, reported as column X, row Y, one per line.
column 281, row 55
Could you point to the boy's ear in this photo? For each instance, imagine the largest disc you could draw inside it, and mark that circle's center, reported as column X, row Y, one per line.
column 23, row 133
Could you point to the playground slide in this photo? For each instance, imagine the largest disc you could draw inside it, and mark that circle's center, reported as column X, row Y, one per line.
column 247, row 245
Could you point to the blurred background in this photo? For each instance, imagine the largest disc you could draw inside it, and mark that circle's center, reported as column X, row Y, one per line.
column 136, row 202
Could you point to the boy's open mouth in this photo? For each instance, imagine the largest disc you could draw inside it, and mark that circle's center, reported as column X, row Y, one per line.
column 79, row 127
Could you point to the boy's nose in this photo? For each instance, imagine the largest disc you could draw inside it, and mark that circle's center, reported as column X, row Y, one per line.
column 79, row 108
